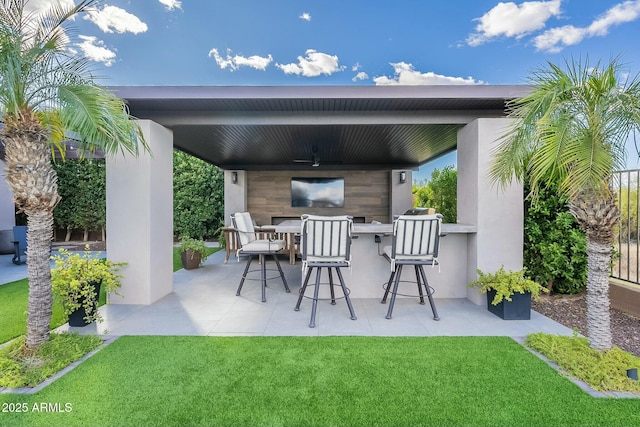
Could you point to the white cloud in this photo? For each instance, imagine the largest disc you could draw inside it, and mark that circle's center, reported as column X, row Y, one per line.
column 405, row 74
column 113, row 19
column 313, row 64
column 360, row 76
column 171, row 4
column 555, row 39
column 512, row 20
column 42, row 5
column 94, row 50
column 356, row 67
column 305, row 16
column 237, row 61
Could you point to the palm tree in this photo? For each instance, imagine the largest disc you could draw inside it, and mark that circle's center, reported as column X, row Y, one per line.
column 46, row 94
column 571, row 129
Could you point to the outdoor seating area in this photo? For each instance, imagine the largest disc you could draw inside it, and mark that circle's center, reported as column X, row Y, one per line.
column 204, row 303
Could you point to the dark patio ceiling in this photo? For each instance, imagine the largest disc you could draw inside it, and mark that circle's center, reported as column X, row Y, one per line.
column 248, row 127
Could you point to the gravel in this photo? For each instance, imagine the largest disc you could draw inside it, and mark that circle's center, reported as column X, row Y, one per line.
column 571, row 311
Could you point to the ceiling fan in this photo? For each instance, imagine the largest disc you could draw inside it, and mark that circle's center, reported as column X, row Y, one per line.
column 315, row 159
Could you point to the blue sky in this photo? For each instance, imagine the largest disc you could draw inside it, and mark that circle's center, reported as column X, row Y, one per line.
column 350, row 42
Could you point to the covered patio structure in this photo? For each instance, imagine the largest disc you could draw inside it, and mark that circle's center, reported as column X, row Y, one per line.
column 263, row 137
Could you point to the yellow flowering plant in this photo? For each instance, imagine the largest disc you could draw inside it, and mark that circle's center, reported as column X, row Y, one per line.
column 75, row 276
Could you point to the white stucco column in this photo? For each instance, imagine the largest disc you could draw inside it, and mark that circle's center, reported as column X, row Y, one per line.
column 401, row 198
column 140, row 217
column 235, row 193
column 498, row 215
column 7, row 208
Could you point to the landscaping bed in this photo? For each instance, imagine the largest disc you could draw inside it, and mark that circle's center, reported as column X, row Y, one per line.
column 571, row 311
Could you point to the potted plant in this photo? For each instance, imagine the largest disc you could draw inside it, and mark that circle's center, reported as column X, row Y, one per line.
column 508, row 293
column 193, row 252
column 77, row 279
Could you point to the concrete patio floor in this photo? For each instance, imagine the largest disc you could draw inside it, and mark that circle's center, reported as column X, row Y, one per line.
column 204, row 303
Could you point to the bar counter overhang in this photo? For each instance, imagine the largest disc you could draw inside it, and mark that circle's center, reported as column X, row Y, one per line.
column 370, row 271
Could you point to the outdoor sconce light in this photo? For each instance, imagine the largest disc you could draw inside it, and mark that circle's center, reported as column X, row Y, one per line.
column 234, row 177
column 403, row 177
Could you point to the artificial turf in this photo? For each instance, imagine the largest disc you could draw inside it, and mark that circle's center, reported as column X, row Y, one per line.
column 13, row 309
column 316, row 381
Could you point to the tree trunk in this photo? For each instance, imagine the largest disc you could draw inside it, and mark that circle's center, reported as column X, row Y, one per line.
column 597, row 214
column 598, row 317
column 39, row 272
column 34, row 185
column 67, row 237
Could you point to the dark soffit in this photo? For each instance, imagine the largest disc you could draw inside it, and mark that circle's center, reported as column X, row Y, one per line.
column 352, row 127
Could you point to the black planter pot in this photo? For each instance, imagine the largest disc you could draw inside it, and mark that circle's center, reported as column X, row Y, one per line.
column 519, row 308
column 76, row 318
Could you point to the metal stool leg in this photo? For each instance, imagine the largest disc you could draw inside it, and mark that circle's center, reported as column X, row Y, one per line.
column 346, row 295
column 386, row 292
column 395, row 291
column 314, row 306
column 429, row 295
column 419, row 285
column 263, row 272
column 286, row 286
column 244, row 275
column 333, row 295
column 303, row 289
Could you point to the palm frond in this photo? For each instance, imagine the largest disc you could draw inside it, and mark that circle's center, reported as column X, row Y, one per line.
column 38, row 73
column 570, row 129
column 100, row 119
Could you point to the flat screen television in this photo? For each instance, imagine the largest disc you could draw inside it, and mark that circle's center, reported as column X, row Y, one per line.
column 317, row 192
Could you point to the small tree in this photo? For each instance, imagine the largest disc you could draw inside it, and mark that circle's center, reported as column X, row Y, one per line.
column 571, row 130
column 47, row 93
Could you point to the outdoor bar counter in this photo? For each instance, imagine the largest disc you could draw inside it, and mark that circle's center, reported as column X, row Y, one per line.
column 370, row 270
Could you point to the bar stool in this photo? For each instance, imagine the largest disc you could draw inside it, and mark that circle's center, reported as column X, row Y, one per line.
column 416, row 240
column 325, row 243
column 248, row 244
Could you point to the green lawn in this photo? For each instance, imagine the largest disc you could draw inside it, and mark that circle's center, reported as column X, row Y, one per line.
column 344, row 381
column 13, row 309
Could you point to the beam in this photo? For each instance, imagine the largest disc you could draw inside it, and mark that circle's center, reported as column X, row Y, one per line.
column 300, row 118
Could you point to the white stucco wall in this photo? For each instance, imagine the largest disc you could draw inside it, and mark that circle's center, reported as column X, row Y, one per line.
column 140, row 217
column 400, row 194
column 235, row 195
column 7, row 208
column 498, row 215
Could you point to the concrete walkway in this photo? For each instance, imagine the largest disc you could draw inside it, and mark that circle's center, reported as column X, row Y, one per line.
column 204, row 303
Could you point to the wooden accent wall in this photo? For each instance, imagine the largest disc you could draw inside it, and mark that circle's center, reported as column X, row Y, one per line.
column 366, row 194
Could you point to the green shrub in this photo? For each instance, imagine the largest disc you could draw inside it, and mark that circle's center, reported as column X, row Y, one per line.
column 604, row 371
column 555, row 249
column 194, row 245
column 440, row 193
column 506, row 283
column 82, row 186
column 198, row 197
column 20, row 367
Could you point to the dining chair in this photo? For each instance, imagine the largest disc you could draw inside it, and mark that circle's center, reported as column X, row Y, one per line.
column 415, row 241
column 249, row 244
column 325, row 243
